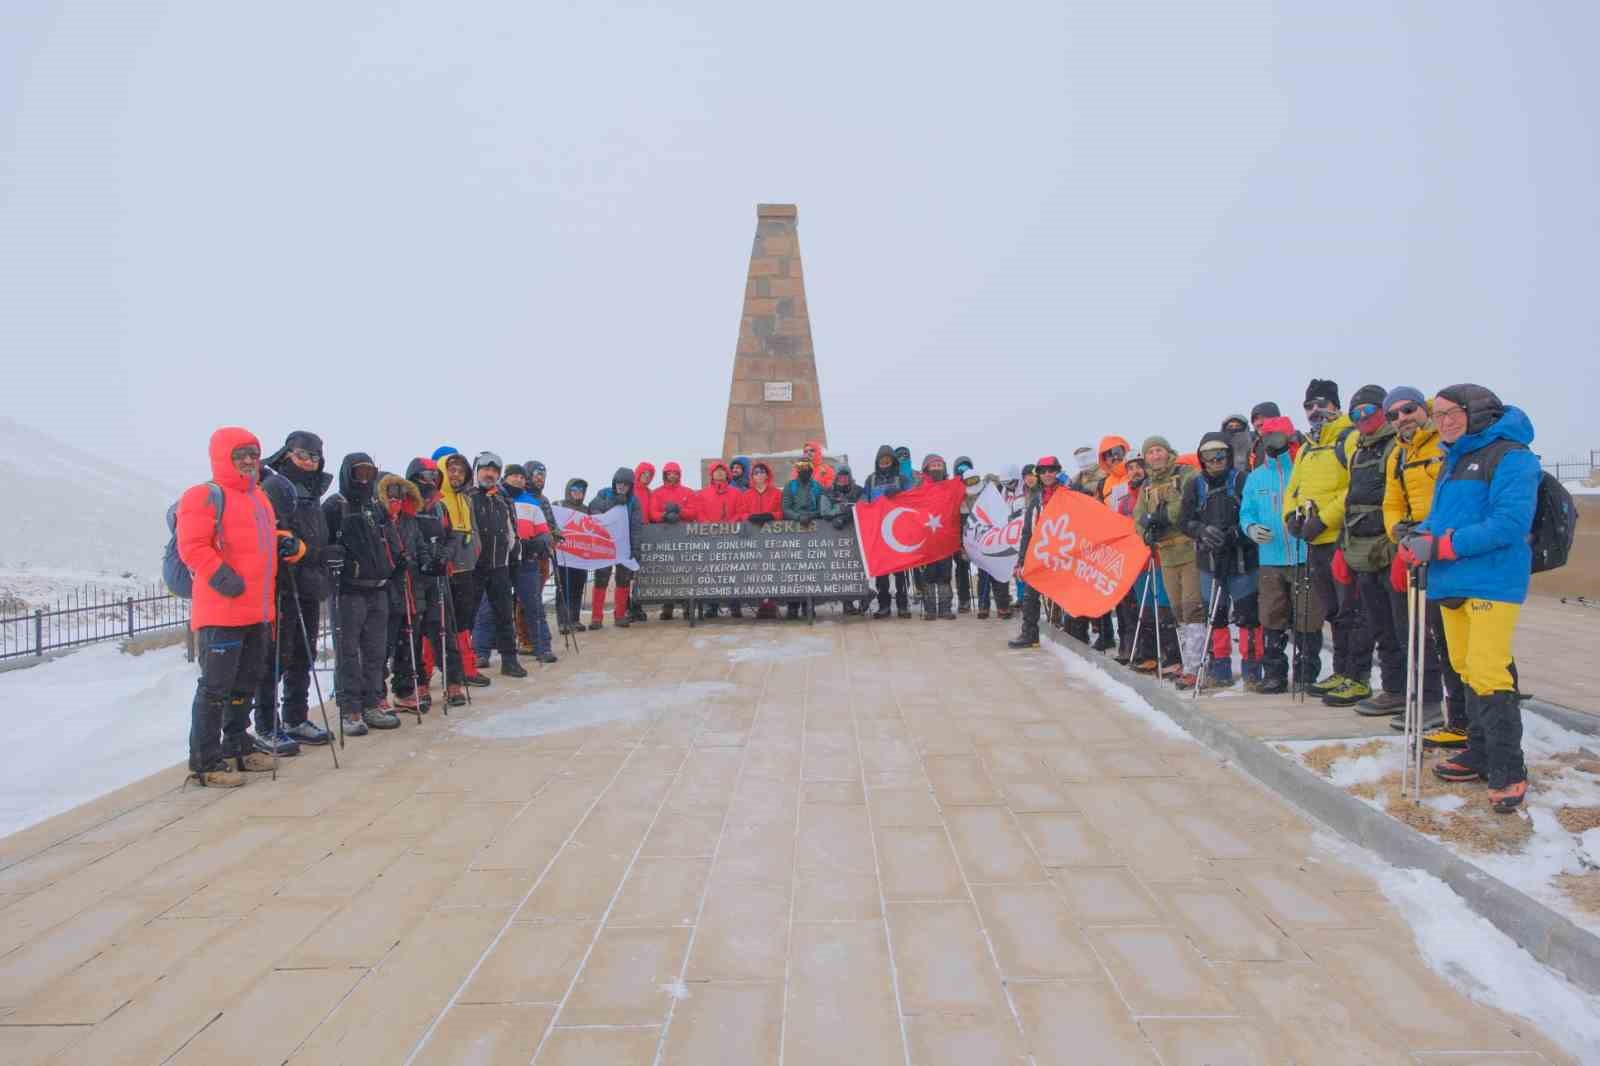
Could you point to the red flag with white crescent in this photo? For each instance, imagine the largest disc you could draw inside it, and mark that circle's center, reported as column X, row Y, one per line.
column 912, row 528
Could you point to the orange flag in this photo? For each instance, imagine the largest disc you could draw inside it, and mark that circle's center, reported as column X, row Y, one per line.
column 1083, row 555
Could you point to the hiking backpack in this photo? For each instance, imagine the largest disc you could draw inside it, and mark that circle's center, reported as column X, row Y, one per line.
column 1555, row 515
column 178, row 577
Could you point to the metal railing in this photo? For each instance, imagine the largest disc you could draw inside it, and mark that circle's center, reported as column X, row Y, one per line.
column 87, row 616
column 1574, row 469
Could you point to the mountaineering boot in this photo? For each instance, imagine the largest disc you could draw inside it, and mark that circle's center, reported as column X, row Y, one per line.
column 666, row 612
column 1004, row 614
column 308, row 733
column 943, row 597
column 407, row 703
column 378, row 718
column 881, row 612
column 279, row 739
column 1499, row 718
column 983, row 612
column 220, row 774
column 253, row 762
column 1349, row 694
column 1446, row 736
column 597, row 613
column 353, row 724
column 1505, row 800
column 619, row 606
column 1328, row 684
column 1383, row 703
column 455, row 696
column 509, row 667
column 1028, row 638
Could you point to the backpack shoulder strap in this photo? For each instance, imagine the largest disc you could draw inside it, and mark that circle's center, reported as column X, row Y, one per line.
column 1341, row 447
column 219, row 502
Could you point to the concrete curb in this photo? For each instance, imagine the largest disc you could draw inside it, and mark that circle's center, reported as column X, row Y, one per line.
column 1549, row 937
column 1577, row 721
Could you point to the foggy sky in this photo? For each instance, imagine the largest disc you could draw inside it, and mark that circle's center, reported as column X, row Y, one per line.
column 525, row 226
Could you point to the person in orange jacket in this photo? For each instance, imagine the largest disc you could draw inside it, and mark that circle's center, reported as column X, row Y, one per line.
column 821, row 471
column 719, row 501
column 233, row 556
column 758, row 505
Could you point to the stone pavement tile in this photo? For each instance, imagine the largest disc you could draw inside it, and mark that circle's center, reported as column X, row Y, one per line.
column 600, row 1047
column 1011, row 762
column 760, row 852
column 682, row 836
column 1216, row 837
column 1213, row 1042
column 488, row 888
column 534, row 962
column 990, row 847
column 887, row 754
column 763, row 799
column 960, row 780
column 269, row 1022
column 942, row 961
column 417, row 816
column 743, row 934
column 628, row 979
column 777, row 759
column 463, row 835
column 1319, row 1018
column 840, row 989
column 1224, row 924
column 918, row 864
column 48, row 867
column 580, row 884
column 1290, row 897
column 941, row 1040
column 169, row 1012
column 824, row 896
column 1106, row 895
column 1063, row 839
column 1034, row 795
column 245, row 888
column 655, row 760
column 661, row 892
column 1033, row 932
column 1066, row 762
column 28, row 1045
column 1404, row 995
column 1158, row 972
column 1130, row 762
column 1071, row 1023
column 846, row 793
column 374, row 1024
column 894, row 779
column 92, row 992
column 720, row 1024
column 833, row 837
column 483, row 1034
column 350, row 868
column 359, row 934
column 895, row 808
column 1144, row 835
column 1491, row 1058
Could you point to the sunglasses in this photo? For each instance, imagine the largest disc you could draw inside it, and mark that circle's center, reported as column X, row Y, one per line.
column 1363, row 412
column 1400, row 410
column 245, row 451
column 1214, row 455
column 1318, row 405
column 306, row 456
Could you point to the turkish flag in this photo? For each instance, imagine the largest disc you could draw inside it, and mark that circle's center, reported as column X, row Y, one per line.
column 1083, row 555
column 913, row 528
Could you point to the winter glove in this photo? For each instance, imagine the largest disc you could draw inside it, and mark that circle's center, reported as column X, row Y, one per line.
column 1397, row 573
column 1420, row 549
column 1312, row 527
column 1259, row 533
column 1402, row 530
column 841, row 521
column 1341, row 568
column 759, row 519
column 542, row 545
column 1295, row 524
column 291, row 549
column 673, row 514
column 1213, row 537
column 227, row 582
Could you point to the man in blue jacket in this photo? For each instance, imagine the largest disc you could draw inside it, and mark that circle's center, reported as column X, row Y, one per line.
column 1474, row 544
column 1283, row 559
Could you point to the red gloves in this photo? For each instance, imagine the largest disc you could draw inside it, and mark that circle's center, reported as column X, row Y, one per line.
column 1341, row 568
column 1419, row 549
column 1397, row 572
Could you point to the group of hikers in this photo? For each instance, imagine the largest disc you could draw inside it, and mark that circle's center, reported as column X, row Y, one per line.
column 1260, row 537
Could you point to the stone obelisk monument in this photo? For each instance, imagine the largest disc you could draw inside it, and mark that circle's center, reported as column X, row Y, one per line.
column 774, row 405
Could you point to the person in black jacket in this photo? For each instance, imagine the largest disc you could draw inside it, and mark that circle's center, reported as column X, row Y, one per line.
column 359, row 523
column 294, row 480
column 1209, row 513
column 495, row 519
column 422, row 531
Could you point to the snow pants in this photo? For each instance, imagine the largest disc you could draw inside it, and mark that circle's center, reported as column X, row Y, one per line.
column 1000, row 591
column 527, row 580
column 493, row 617
column 231, row 660
column 570, row 583
column 1385, row 612
column 902, row 595
column 361, row 618
column 286, row 650
column 425, row 622
column 1341, row 606
column 963, row 575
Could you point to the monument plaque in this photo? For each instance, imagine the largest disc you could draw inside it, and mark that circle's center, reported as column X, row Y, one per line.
column 741, row 561
column 778, row 392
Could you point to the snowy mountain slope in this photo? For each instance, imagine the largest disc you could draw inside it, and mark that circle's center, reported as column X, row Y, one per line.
column 71, row 510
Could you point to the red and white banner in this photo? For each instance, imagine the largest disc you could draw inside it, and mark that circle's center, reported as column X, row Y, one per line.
column 1083, row 555
column 912, row 528
column 593, row 541
column 994, row 533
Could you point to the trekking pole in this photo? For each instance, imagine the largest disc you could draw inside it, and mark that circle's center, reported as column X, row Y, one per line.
column 337, row 654
column 1133, row 649
column 411, row 645
column 466, row 689
column 277, row 675
column 1155, row 614
column 311, row 662
column 439, row 652
column 1211, row 614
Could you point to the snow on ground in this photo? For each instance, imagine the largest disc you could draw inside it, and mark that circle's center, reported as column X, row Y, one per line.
column 765, row 646
column 1125, row 697
column 1531, row 850
column 87, row 724
column 575, row 710
column 1478, row 959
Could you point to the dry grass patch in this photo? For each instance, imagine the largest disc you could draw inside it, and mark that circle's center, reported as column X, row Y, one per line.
column 1582, row 889
column 1579, row 819
column 1321, row 759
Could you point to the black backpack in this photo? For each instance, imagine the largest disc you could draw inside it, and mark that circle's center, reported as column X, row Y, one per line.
column 179, row 578
column 1555, row 516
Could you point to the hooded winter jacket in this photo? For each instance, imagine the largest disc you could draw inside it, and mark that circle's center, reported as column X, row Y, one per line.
column 1160, row 503
column 495, row 520
column 1485, row 499
column 1240, row 441
column 883, row 482
column 568, row 502
column 642, row 474
column 802, row 500
column 296, row 497
column 822, row 473
column 1413, row 470
column 609, row 497
column 1216, row 501
column 539, row 497
column 842, row 495
column 423, row 532
column 668, row 495
column 1365, row 539
column 768, row 501
column 1322, row 476
column 1264, row 492
column 462, row 547
column 358, row 521
column 249, row 547
column 1113, row 476
column 533, row 532
column 716, row 503
column 741, row 482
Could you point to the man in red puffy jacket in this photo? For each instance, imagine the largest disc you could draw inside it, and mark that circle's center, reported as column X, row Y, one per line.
column 234, row 559
column 672, row 502
column 719, row 501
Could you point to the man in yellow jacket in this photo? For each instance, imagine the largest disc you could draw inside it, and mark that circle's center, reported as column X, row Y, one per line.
column 1407, row 499
column 1313, row 510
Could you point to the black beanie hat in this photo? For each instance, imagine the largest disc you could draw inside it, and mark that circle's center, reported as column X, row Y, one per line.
column 1372, row 394
column 1265, row 410
column 304, row 438
column 1323, row 390
column 1482, row 406
column 518, row 469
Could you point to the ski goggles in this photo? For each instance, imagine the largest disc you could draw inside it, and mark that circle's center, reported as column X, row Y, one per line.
column 1363, row 412
column 305, row 455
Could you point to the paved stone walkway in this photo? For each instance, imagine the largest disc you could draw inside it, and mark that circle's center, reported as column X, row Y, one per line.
column 850, row 843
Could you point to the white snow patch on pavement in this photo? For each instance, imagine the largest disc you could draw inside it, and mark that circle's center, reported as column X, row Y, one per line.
column 1478, row 959
column 1123, row 695
column 556, row 714
column 765, row 647
column 87, row 724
